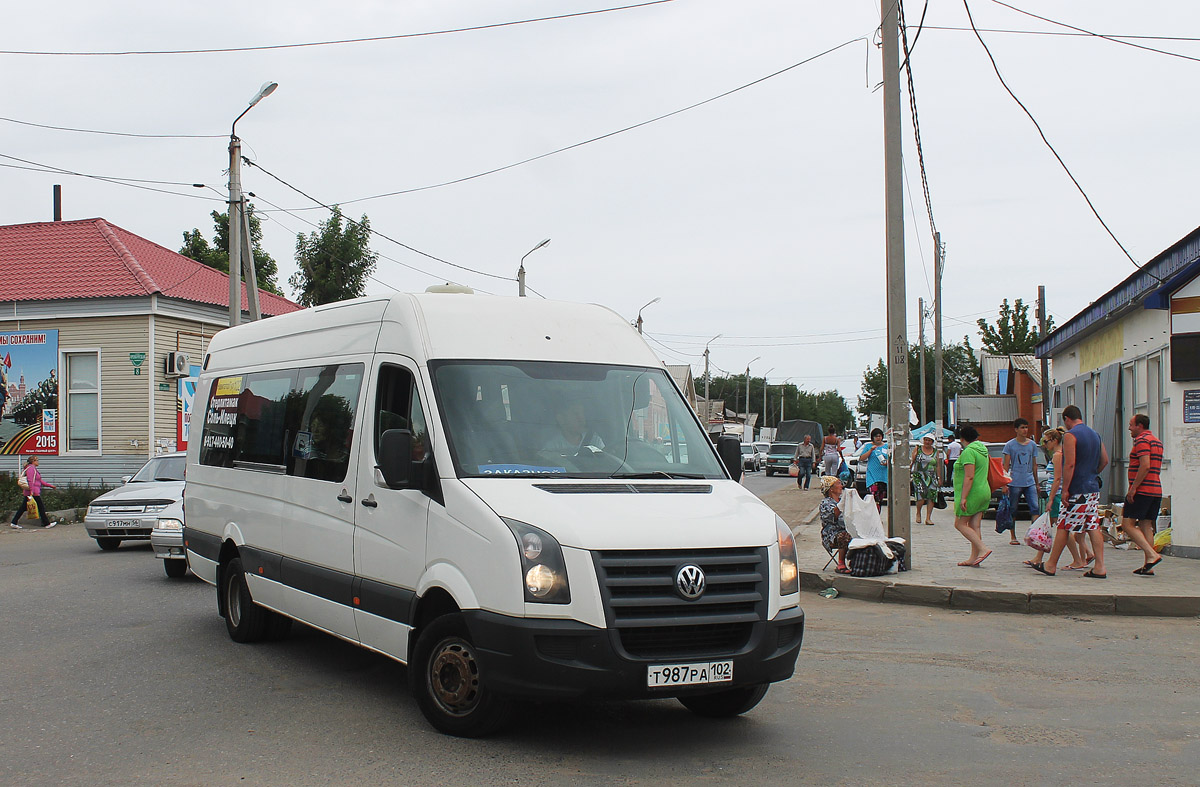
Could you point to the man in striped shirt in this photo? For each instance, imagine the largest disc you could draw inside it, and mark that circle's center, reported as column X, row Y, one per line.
column 1144, row 498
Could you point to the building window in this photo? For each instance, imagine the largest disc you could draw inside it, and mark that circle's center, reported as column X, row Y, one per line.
column 83, row 401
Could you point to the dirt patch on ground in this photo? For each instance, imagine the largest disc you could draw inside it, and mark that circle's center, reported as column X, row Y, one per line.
column 793, row 504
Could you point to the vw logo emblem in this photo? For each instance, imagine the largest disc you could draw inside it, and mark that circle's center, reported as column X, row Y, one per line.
column 689, row 581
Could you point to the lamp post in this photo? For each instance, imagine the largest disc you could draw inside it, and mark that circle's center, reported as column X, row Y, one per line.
column 707, row 405
column 782, row 399
column 639, row 319
column 765, row 398
column 746, row 423
column 239, row 223
column 521, row 270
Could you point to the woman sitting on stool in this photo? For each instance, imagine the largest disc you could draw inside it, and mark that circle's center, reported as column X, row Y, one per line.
column 833, row 526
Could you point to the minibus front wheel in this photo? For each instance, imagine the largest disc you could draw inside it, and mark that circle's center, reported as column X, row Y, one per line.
column 448, row 684
column 722, row 704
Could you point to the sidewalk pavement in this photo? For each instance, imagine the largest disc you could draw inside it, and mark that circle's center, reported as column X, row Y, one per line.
column 1003, row 583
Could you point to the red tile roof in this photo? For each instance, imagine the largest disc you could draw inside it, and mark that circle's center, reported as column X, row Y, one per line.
column 91, row 258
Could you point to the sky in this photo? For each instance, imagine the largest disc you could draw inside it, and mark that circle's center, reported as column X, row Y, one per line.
column 758, row 216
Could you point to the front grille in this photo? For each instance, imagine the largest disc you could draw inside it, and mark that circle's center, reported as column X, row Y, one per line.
column 653, row 621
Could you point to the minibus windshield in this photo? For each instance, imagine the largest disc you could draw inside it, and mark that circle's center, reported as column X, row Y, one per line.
column 554, row 419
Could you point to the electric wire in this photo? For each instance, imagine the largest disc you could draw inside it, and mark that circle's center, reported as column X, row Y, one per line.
column 114, row 133
column 1042, row 134
column 607, row 135
column 1061, row 34
column 912, row 102
column 1114, row 39
column 224, row 50
column 130, row 182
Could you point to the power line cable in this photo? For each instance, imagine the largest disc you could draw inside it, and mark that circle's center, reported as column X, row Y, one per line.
column 337, row 42
column 1114, row 39
column 114, row 133
column 1061, row 34
column 1042, row 134
column 912, row 102
column 540, row 156
column 130, row 182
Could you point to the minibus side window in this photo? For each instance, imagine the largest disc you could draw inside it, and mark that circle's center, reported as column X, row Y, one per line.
column 321, row 413
column 398, row 406
column 245, row 423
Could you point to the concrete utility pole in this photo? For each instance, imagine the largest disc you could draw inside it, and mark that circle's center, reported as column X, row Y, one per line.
column 746, row 424
column 899, row 471
column 921, row 339
column 1041, row 318
column 707, row 404
column 240, row 259
column 764, row 423
column 939, row 394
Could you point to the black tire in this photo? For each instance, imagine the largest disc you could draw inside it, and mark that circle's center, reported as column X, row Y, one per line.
column 722, row 704
column 770, row 472
column 175, row 567
column 448, row 684
column 245, row 620
column 278, row 626
column 108, row 543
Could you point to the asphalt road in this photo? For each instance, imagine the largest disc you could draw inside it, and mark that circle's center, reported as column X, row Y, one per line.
column 112, row 674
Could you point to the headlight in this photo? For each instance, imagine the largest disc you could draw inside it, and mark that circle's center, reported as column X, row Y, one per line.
column 168, row 524
column 542, row 565
column 97, row 509
column 789, row 572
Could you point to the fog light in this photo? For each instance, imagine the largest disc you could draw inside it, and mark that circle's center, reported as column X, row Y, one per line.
column 540, row 580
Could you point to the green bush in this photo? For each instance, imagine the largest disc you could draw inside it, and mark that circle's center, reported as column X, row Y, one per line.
column 70, row 495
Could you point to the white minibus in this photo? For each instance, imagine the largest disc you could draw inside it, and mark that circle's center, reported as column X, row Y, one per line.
column 509, row 495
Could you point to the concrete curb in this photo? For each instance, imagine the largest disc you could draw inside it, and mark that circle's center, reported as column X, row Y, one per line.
column 887, row 590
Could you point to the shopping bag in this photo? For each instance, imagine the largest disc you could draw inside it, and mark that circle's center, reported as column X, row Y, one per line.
column 940, row 501
column 1162, row 539
column 844, row 474
column 1004, row 517
column 997, row 479
column 1039, row 536
column 31, row 508
column 23, row 483
column 794, row 470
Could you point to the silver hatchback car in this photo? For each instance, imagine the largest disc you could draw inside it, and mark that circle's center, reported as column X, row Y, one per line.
column 131, row 512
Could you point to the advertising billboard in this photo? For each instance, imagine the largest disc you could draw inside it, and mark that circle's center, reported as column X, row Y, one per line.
column 29, row 392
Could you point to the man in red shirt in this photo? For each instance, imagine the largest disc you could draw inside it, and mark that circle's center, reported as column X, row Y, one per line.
column 1144, row 498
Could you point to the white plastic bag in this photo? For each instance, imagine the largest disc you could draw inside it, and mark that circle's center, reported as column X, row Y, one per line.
column 862, row 516
column 1039, row 536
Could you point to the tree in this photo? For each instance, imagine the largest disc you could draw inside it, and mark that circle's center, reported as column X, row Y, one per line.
column 962, row 375
column 1012, row 334
column 334, row 261
column 217, row 255
column 825, row 407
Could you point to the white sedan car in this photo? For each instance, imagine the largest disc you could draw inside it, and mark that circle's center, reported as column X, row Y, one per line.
column 752, row 460
column 131, row 512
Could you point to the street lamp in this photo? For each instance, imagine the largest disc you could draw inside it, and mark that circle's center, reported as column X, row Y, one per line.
column 747, row 421
column 639, row 319
column 239, row 223
column 707, row 406
column 521, row 270
column 765, row 397
column 782, row 398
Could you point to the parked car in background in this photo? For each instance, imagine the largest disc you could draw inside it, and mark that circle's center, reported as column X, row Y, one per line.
column 779, row 457
column 752, row 460
column 996, row 451
column 130, row 512
column 764, row 447
column 167, row 540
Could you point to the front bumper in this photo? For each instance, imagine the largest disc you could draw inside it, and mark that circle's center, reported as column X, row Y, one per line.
column 129, row 528
column 563, row 659
column 168, row 544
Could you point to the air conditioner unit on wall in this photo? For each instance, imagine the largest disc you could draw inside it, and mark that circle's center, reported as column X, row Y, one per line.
column 177, row 365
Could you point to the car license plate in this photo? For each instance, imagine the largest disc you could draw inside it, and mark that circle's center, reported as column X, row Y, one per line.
column 123, row 523
column 660, row 675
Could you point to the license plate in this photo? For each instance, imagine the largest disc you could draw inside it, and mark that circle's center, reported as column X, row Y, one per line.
column 114, row 523
column 659, row 675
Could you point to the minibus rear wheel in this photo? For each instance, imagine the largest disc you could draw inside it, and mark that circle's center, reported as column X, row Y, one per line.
column 245, row 620
column 721, row 704
column 448, row 684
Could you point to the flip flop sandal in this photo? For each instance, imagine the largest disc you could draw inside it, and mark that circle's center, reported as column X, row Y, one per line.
column 1041, row 569
column 841, row 570
column 1144, row 571
column 1094, row 575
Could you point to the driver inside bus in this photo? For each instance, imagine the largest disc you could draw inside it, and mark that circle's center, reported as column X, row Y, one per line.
column 572, row 435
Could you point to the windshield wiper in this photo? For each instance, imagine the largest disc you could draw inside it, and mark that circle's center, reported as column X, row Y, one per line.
column 659, row 474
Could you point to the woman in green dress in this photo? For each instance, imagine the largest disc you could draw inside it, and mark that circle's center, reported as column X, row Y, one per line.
column 971, row 494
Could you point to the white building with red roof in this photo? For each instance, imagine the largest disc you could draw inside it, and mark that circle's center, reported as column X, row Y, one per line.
column 102, row 310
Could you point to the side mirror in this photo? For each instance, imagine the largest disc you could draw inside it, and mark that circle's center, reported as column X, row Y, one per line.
column 125, row 479
column 395, row 457
column 729, row 448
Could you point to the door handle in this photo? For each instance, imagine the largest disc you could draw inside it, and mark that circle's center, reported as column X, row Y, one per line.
column 345, row 498
column 370, row 502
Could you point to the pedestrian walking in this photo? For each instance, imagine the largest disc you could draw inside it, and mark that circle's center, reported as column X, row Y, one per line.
column 1052, row 445
column 831, row 455
column 1084, row 456
column 876, row 457
column 926, row 476
column 804, row 459
column 1144, row 498
column 953, row 449
column 1020, row 464
column 972, row 494
column 36, row 483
